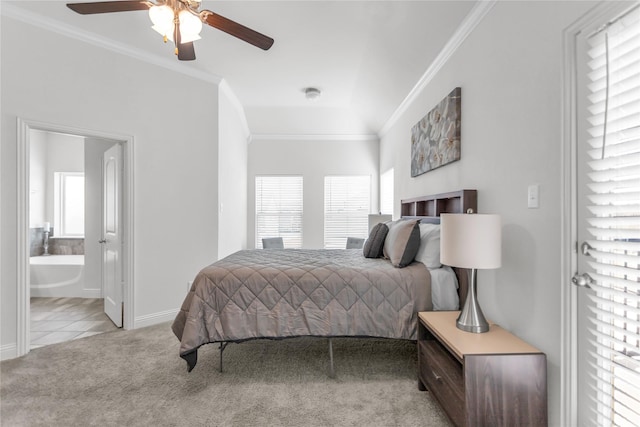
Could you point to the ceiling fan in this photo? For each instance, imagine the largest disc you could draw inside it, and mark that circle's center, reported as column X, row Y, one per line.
column 179, row 21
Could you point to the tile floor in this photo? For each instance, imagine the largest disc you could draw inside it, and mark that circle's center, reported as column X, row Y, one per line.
column 56, row 320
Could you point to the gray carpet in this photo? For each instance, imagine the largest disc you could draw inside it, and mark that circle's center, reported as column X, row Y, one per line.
column 135, row 378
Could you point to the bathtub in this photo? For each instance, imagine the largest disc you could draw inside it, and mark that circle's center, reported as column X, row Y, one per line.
column 59, row 276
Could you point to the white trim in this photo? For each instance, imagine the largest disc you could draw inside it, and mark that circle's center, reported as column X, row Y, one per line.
column 568, row 209
column 313, row 137
column 22, row 244
column 467, row 26
column 23, row 291
column 67, row 30
column 224, row 87
column 11, row 346
column 155, row 318
column 8, row 351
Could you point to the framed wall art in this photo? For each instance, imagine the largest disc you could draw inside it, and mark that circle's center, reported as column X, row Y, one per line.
column 435, row 140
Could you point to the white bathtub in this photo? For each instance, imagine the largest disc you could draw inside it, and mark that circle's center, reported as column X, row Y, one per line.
column 59, row 276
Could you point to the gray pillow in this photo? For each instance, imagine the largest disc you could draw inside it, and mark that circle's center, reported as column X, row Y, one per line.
column 373, row 246
column 402, row 242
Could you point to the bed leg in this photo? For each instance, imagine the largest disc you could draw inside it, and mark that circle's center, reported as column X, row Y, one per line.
column 223, row 345
column 332, row 371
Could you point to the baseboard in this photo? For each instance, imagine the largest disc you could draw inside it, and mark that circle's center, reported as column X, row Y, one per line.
column 155, row 318
column 8, row 351
column 53, row 293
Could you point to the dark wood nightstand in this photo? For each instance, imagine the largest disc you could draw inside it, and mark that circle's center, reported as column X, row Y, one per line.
column 488, row 379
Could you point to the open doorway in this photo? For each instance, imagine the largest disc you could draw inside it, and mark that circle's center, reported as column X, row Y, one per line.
column 65, row 259
column 64, row 193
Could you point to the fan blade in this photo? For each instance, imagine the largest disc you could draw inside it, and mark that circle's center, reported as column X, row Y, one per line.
column 186, row 52
column 109, row 6
column 237, row 30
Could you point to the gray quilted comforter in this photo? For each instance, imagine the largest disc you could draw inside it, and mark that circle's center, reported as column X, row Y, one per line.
column 279, row 293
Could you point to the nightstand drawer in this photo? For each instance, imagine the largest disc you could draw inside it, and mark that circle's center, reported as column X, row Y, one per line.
column 442, row 376
column 450, row 368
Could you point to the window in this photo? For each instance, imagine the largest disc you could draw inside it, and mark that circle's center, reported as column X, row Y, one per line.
column 68, row 204
column 279, row 209
column 347, row 202
column 614, row 222
column 386, row 192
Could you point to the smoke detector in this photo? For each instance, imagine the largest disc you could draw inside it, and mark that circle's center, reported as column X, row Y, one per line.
column 312, row 93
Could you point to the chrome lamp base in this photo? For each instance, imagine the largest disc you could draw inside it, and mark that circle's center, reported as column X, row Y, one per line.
column 471, row 318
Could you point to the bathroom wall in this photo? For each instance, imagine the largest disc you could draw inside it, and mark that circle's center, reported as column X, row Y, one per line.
column 49, row 153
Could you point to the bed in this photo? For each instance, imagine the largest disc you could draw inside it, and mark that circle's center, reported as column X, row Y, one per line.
column 283, row 293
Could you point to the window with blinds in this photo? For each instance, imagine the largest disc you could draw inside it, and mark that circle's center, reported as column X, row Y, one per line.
column 68, row 204
column 347, row 202
column 386, row 192
column 614, row 222
column 279, row 209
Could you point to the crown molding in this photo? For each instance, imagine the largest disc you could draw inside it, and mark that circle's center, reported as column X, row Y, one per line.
column 467, row 26
column 314, row 137
column 73, row 32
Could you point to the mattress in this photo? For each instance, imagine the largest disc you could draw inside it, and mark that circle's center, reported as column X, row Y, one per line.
column 281, row 293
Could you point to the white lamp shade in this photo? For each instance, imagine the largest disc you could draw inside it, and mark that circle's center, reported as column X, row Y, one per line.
column 190, row 27
column 471, row 240
column 162, row 18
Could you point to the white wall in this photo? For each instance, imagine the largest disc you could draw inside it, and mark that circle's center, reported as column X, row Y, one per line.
column 65, row 153
column 509, row 70
column 49, row 153
column 232, row 168
column 313, row 160
column 49, row 78
column 37, row 179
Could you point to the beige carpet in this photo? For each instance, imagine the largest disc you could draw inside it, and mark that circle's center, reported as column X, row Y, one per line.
column 135, row 378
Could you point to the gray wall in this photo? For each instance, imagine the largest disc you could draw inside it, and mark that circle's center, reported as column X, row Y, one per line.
column 510, row 70
column 232, row 169
column 313, row 159
column 175, row 176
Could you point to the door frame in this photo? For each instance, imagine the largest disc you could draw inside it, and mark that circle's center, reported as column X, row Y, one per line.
column 569, row 205
column 24, row 126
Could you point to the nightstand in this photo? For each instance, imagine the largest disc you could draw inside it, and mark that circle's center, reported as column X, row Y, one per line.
column 488, row 379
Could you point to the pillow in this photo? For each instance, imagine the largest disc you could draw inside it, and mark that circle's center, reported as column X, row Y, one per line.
column 373, row 246
column 429, row 251
column 402, row 242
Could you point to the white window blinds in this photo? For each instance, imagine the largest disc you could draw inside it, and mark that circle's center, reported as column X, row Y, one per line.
column 614, row 223
column 68, row 204
column 386, row 192
column 279, row 209
column 347, row 202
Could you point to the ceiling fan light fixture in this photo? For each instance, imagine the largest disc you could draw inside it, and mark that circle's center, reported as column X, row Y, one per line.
column 162, row 19
column 190, row 26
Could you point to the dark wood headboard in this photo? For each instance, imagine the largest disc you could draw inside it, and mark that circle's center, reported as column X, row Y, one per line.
column 429, row 208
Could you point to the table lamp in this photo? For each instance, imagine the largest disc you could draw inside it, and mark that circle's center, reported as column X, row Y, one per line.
column 471, row 241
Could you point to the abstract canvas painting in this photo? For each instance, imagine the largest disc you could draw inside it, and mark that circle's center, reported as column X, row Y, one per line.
column 435, row 140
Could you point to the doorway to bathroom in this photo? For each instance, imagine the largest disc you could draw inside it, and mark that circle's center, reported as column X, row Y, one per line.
column 76, row 219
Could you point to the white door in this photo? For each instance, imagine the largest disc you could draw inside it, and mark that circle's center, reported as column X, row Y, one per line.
column 112, row 278
column 608, row 222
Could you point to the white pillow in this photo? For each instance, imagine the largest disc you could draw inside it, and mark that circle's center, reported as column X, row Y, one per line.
column 429, row 250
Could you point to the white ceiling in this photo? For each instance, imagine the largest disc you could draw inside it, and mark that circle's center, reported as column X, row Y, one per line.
column 365, row 56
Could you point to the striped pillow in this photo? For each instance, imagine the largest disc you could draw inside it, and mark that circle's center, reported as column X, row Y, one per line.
column 402, row 242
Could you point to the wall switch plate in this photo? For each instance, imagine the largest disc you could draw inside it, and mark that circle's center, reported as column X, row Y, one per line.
column 533, row 196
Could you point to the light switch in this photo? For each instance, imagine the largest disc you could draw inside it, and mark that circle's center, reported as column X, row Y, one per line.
column 533, row 196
